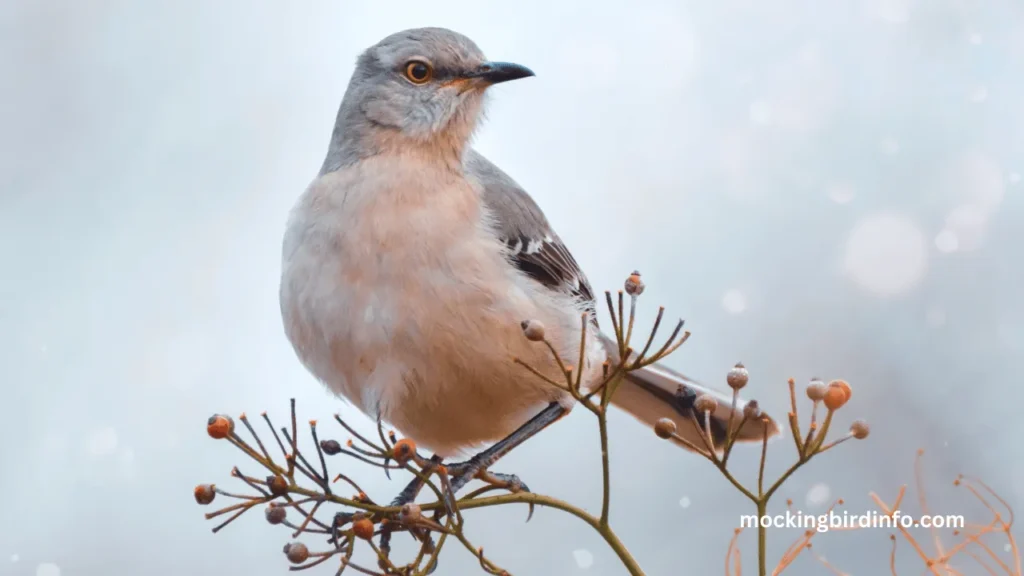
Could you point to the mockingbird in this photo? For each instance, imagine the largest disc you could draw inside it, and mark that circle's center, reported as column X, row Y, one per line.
column 410, row 262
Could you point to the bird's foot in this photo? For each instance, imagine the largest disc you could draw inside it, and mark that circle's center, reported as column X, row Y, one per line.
column 464, row 472
column 412, row 489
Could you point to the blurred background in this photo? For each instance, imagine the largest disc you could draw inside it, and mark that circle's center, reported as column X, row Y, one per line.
column 819, row 188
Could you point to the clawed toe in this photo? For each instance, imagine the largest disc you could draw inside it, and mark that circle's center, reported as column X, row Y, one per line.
column 509, row 482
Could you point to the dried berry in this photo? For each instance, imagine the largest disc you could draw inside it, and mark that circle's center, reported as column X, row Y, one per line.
column 860, row 429
column 404, row 450
column 411, row 512
column 737, row 377
column 751, row 410
column 220, row 426
column 705, row 403
column 533, row 329
column 634, row 286
column 363, row 528
column 816, row 390
column 665, row 428
column 297, row 552
column 204, row 493
column 277, row 484
column 276, row 514
column 330, row 447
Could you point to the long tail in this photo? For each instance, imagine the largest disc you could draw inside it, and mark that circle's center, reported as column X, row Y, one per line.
column 657, row 392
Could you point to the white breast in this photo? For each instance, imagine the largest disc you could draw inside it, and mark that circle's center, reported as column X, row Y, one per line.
column 396, row 295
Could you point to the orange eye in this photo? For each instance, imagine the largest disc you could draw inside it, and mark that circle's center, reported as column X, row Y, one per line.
column 418, row 72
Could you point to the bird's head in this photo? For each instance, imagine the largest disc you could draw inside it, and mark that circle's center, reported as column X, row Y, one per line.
column 424, row 85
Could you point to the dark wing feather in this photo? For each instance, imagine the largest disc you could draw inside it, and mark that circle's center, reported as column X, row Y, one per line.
column 533, row 247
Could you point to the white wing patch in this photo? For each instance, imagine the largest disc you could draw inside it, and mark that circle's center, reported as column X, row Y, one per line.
column 546, row 259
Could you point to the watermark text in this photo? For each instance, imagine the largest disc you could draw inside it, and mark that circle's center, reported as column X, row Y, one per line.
column 845, row 521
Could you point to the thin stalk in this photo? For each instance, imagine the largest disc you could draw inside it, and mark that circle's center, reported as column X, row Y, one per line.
column 602, row 423
column 606, row 532
column 762, row 538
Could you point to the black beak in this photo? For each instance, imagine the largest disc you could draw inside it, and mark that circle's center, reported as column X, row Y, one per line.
column 498, row 72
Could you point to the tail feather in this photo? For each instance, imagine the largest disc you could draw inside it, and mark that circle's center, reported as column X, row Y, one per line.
column 655, row 392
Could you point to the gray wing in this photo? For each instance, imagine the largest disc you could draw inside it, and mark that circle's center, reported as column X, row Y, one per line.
column 533, row 247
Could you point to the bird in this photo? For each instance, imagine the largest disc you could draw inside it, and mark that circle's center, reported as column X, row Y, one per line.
column 411, row 261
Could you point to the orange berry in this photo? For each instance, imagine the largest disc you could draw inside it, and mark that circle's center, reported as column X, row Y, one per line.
column 204, row 493
column 220, row 426
column 844, row 386
column 363, row 528
column 278, row 485
column 634, row 286
column 835, row 397
column 404, row 450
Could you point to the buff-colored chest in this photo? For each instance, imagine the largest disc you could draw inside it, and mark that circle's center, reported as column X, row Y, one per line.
column 396, row 294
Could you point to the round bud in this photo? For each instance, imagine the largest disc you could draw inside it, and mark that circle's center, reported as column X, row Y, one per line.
column 363, row 528
column 705, row 403
column 751, row 410
column 277, row 484
column 404, row 450
column 220, row 426
column 665, row 428
column 842, row 384
column 860, row 429
column 634, row 286
column 737, row 377
column 204, row 493
column 330, row 447
column 835, row 397
column 411, row 512
column 276, row 514
column 533, row 329
column 816, row 390
column 296, row 552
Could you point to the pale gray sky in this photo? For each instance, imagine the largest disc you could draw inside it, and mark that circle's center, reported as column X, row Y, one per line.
column 819, row 188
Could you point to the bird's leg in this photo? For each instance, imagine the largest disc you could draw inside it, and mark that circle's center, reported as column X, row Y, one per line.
column 462, row 473
column 456, row 476
column 476, row 467
column 412, row 489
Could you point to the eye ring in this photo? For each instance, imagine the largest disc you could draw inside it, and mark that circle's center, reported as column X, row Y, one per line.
column 418, row 72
